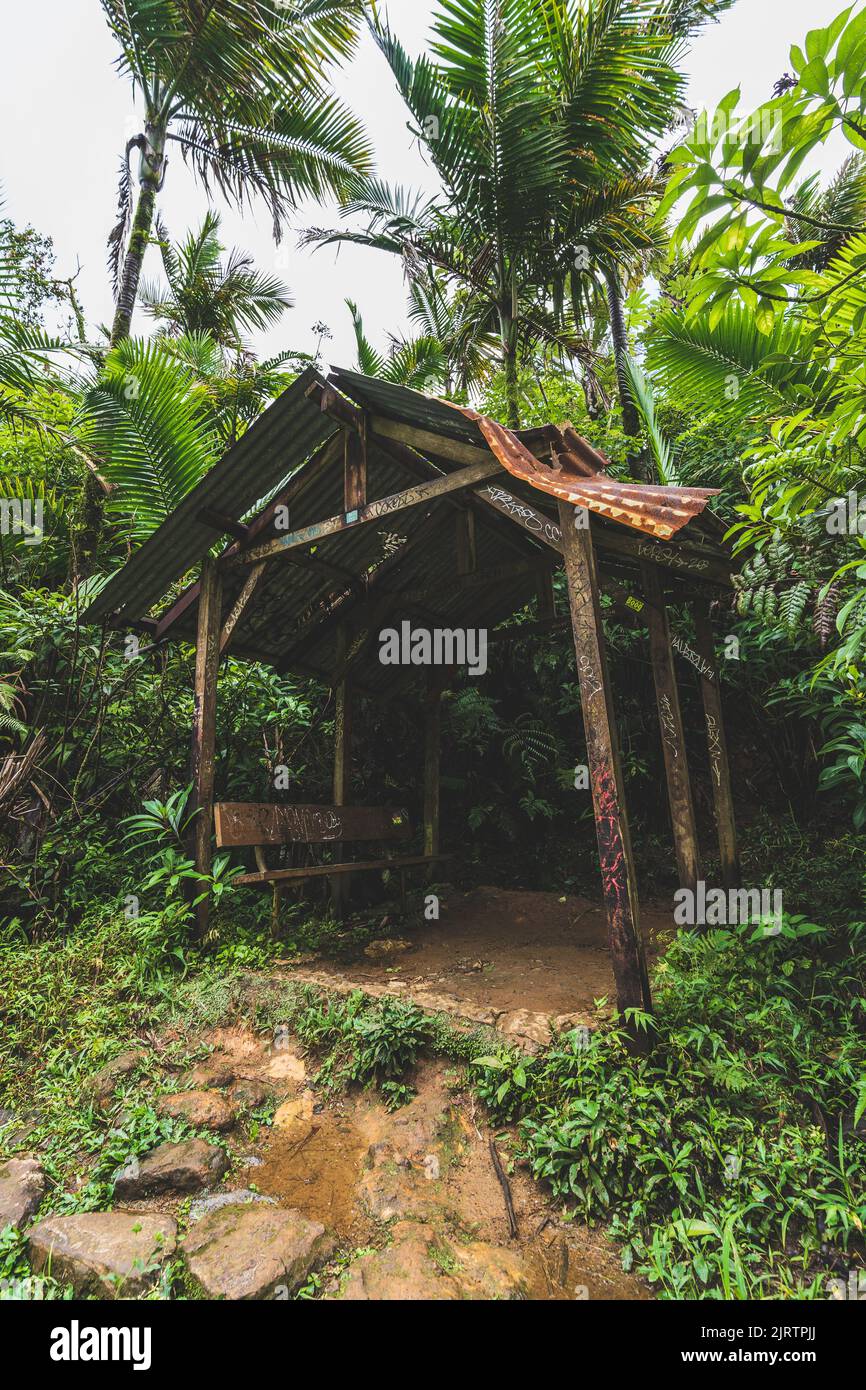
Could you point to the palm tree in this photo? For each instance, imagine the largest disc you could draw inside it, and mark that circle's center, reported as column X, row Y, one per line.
column 239, row 87
column 537, row 115
column 615, row 69
column 208, row 295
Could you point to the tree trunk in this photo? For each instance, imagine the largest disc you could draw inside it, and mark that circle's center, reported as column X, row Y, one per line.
column 150, row 175
column 509, row 362
column 619, row 337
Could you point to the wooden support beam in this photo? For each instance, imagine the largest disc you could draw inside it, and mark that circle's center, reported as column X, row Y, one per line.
column 614, row 843
column 422, row 469
column 342, row 766
column 384, row 508
column 672, row 735
column 207, row 655
column 240, row 605
column 428, row 442
column 354, row 470
column 336, row 871
column 323, row 459
column 332, row 402
column 677, row 555
column 467, row 553
column 224, row 525
column 545, row 595
column 720, row 774
column 344, row 603
column 436, row 682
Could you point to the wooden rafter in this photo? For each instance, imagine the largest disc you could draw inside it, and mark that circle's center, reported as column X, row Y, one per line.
column 362, row 516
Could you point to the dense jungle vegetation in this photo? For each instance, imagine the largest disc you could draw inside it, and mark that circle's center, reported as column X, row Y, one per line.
column 687, row 292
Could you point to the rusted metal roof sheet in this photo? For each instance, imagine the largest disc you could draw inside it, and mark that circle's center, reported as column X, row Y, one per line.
column 576, row 477
column 281, row 439
column 575, row 474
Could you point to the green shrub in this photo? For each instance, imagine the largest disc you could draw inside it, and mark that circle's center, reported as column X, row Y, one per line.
column 732, row 1162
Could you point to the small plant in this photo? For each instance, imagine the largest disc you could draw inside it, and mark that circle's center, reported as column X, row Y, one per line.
column 729, row 1163
column 388, row 1040
column 396, row 1094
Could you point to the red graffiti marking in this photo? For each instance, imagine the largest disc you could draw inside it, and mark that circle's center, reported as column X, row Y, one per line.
column 610, row 846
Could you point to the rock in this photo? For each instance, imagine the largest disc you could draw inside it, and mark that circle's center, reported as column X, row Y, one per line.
column 6, row 1117
column 112, row 1254
column 203, row 1206
column 254, row 1251
column 286, row 1066
column 388, row 948
column 391, row 1187
column 248, row 1094
column 22, row 1187
column 210, row 1075
column 530, row 1031
column 295, row 1116
column 421, row 1264
column 99, row 1087
column 413, row 1267
column 491, row 1272
column 201, row 1109
column 182, row 1167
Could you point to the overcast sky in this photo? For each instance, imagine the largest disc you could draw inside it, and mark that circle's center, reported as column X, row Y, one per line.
column 65, row 117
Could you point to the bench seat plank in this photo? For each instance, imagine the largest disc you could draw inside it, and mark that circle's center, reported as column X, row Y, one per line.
column 331, row 870
column 249, row 823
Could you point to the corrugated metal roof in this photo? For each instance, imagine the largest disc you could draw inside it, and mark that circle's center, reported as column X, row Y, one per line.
column 655, row 511
column 299, row 602
column 279, row 441
column 574, row 473
column 406, row 406
column 400, row 567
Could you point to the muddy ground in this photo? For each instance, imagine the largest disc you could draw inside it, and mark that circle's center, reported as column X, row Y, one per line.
column 412, row 1197
column 504, row 957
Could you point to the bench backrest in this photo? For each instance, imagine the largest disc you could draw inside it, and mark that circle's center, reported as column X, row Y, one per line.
column 249, row 823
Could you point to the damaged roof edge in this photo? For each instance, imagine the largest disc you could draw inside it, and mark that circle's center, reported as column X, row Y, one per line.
column 576, row 473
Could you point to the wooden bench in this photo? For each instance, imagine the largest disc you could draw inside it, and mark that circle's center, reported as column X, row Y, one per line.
column 243, row 824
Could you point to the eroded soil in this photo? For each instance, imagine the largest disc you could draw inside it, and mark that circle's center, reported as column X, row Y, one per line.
column 412, row 1196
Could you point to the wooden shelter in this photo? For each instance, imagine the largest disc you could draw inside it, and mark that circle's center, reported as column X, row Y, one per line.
column 353, row 504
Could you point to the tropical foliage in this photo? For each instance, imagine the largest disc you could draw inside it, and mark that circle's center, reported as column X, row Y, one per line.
column 688, row 290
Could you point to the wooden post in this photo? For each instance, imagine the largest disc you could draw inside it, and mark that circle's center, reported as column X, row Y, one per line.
column 342, row 766
column 671, row 725
column 207, row 655
column 720, row 774
column 614, row 844
column 432, row 756
column 354, row 471
column 546, row 596
column 467, row 551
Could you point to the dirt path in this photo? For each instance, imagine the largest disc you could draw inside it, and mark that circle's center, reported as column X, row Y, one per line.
column 505, row 957
column 412, row 1197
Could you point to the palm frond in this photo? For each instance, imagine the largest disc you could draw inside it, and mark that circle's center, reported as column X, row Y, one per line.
column 146, row 420
column 644, row 400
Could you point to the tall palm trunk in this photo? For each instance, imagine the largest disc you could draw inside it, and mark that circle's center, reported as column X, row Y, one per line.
column 150, row 176
column 508, row 338
column 151, row 171
column 619, row 337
